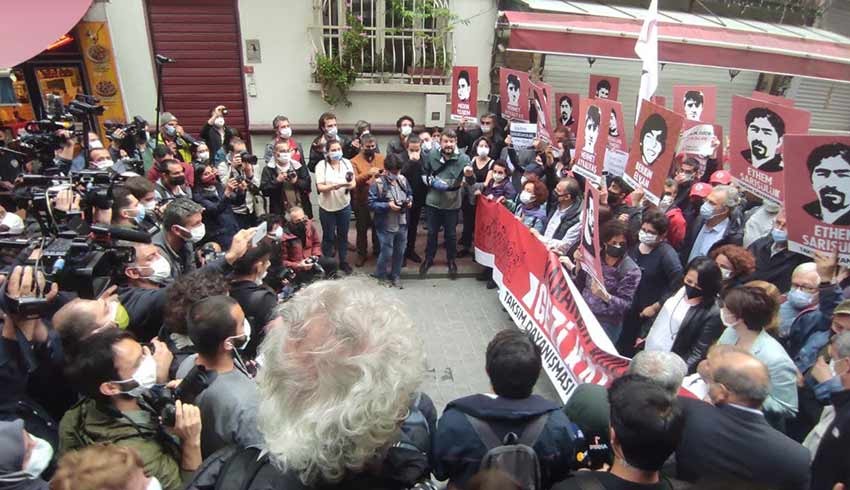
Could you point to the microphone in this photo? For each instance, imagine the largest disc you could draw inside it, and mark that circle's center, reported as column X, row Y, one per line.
column 161, row 59
column 119, row 233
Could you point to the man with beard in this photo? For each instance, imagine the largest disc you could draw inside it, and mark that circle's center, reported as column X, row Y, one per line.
column 653, row 137
column 829, row 170
column 764, row 134
column 591, row 128
column 694, row 103
column 566, row 107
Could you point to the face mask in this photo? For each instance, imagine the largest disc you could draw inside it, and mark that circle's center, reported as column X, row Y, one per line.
column 369, row 152
column 392, row 177
column 426, row 146
column 153, row 484
column 615, row 251
column 406, row 130
column 613, row 198
column 331, row 132
column 687, row 177
column 285, row 132
column 40, row 457
column 198, row 233
column 237, row 341
column 161, row 270
column 800, row 299
column 179, row 180
column 483, row 151
column 219, row 122
column 486, row 128
column 779, row 236
column 171, row 131
column 144, row 377
column 141, row 212
column 523, row 180
column 666, row 202
column 526, row 197
column 335, row 155
column 283, row 157
column 692, row 292
column 278, row 233
column 119, row 314
column 647, row 238
column 94, row 145
column 498, row 177
column 203, row 156
column 104, row 164
column 299, row 228
column 725, row 273
column 727, row 322
column 208, row 179
column 706, row 211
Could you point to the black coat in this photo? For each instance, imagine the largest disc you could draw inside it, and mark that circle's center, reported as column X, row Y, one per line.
column 570, row 218
column 466, row 139
column 774, row 269
column 700, row 328
column 213, row 140
column 832, row 460
column 726, row 442
column 734, row 234
column 258, row 302
column 273, row 189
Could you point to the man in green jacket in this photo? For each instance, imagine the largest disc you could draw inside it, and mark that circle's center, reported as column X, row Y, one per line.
column 443, row 174
column 112, row 374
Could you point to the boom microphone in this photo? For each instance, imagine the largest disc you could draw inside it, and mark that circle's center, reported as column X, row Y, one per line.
column 120, row 233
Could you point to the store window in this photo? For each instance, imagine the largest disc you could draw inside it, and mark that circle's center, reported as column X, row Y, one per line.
column 15, row 101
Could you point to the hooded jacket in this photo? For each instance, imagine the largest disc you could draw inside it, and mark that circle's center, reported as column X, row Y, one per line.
column 458, row 450
column 12, row 452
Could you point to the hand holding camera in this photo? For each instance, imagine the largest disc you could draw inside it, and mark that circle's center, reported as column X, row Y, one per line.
column 27, row 293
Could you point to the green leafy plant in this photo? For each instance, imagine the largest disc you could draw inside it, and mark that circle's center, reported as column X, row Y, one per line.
column 337, row 74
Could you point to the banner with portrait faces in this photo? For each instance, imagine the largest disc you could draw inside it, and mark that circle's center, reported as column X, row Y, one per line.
column 659, row 100
column 603, row 87
column 696, row 102
column 592, row 138
column 817, row 194
column 775, row 99
column 757, row 131
column 591, row 254
column 616, row 128
column 464, row 93
column 567, row 110
column 513, row 93
column 652, row 150
column 541, row 104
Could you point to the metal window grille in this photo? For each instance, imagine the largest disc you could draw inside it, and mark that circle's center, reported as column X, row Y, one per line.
column 404, row 44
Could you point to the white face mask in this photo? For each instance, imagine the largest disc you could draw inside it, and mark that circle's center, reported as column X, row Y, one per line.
column 483, row 151
column 283, row 158
column 246, row 328
column 150, row 205
column 526, row 197
column 666, row 201
column 144, row 377
column 204, row 156
column 726, row 321
column 161, row 270
column 219, row 122
column 14, row 222
column 406, row 130
column 40, row 457
column 278, row 233
column 426, row 146
column 647, row 238
column 725, row 273
column 285, row 132
column 103, row 164
column 331, row 132
column 197, row 233
column 498, row 177
column 153, row 484
column 94, row 145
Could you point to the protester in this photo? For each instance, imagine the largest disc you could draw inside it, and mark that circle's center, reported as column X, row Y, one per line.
column 773, row 326
column 513, row 366
column 677, row 227
column 730, row 437
column 480, row 167
column 499, row 188
column 301, row 249
column 488, row 128
column 530, row 204
column 103, row 467
column 411, row 168
column 719, row 223
column 773, row 261
column 618, row 190
column 800, row 300
column 285, row 181
column 390, row 198
column 736, row 264
column 368, row 166
column 335, row 181
column 838, row 353
column 829, row 464
column 562, row 214
column 405, row 126
column 216, row 133
column 217, row 201
column 745, row 313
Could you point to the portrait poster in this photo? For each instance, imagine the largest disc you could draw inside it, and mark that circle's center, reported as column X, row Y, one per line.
column 697, row 139
column 696, row 102
column 513, row 93
column 776, row 99
column 522, row 135
column 541, row 99
column 592, row 138
column 567, row 110
column 616, row 128
column 464, row 93
column 591, row 257
column 756, row 138
column 603, row 87
column 659, row 100
column 652, row 150
column 817, row 194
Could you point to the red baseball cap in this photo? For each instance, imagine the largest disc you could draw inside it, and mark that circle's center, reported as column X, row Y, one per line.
column 721, row 177
column 701, row 189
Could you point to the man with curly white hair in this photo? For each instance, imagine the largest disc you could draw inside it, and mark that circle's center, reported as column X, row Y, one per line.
column 338, row 402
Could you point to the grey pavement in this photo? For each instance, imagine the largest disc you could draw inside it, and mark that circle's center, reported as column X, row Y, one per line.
column 456, row 320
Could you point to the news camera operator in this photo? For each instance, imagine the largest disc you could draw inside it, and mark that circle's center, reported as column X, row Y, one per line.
column 130, row 142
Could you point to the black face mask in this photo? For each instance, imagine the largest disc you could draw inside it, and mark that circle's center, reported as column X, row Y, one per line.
column 179, row 180
column 613, row 198
column 368, row 152
column 299, row 228
column 692, row 292
column 615, row 251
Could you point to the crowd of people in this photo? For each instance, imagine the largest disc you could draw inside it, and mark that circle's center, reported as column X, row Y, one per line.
column 233, row 353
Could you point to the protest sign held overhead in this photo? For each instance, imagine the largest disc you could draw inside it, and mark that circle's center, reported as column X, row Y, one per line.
column 696, row 102
column 701, row 140
column 567, row 109
column 659, row 100
column 757, row 133
column 817, row 194
column 592, row 138
column 541, row 97
column 603, row 87
column 616, row 128
column 775, row 99
column 652, row 150
column 464, row 93
column 522, row 135
column 513, row 92
column 591, row 255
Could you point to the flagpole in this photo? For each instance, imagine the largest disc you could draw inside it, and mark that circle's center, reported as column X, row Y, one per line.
column 646, row 48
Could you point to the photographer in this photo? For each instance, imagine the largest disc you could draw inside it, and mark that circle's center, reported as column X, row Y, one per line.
column 130, row 141
column 335, row 181
column 235, row 167
column 217, row 327
column 216, row 133
column 256, row 299
column 302, row 249
column 390, row 197
column 217, row 200
column 286, row 182
column 112, row 376
column 161, row 154
column 172, row 184
column 171, row 134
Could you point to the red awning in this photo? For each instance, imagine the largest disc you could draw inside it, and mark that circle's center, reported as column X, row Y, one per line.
column 703, row 45
column 26, row 29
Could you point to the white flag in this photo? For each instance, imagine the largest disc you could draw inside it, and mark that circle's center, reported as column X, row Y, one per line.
column 646, row 48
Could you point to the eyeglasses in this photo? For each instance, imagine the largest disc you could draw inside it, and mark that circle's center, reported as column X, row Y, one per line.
column 805, row 288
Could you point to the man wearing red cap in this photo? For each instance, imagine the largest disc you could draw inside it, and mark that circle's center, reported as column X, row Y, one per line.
column 721, row 177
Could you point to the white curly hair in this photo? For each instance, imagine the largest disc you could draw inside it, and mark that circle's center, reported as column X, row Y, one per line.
column 337, row 378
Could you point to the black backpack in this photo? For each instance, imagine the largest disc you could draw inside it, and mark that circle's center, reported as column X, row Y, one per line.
column 515, row 454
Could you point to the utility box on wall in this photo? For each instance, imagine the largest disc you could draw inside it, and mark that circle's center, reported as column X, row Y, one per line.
column 435, row 109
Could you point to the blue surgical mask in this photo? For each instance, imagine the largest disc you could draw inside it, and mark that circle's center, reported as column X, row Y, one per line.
column 335, row 155
column 800, row 299
column 706, row 211
column 171, row 130
column 779, row 236
column 392, row 176
column 141, row 210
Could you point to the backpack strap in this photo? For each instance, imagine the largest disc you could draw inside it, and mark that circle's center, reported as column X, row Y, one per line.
column 485, row 433
column 533, row 430
column 239, row 471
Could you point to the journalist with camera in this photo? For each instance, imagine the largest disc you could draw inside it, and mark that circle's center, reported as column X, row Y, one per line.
column 390, row 198
column 285, row 181
column 302, row 250
column 171, row 134
column 237, row 170
column 217, row 134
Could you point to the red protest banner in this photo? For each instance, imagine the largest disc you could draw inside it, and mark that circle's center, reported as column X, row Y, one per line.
column 591, row 254
column 603, row 87
column 513, row 93
column 592, row 138
column 756, row 135
column 652, row 150
column 659, row 100
column 696, row 102
column 544, row 302
column 464, row 93
column 774, row 99
column 616, row 127
column 541, row 100
column 817, row 204
column 567, row 108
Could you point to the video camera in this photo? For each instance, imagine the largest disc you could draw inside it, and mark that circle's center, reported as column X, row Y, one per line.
column 162, row 401
column 132, row 129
